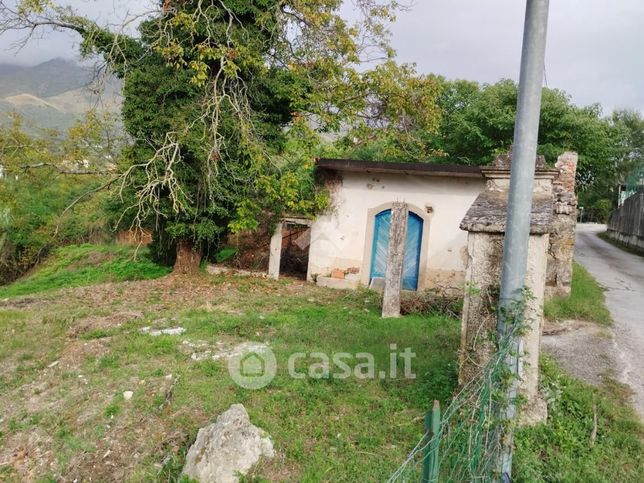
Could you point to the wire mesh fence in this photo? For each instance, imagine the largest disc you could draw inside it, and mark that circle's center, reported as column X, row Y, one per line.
column 466, row 443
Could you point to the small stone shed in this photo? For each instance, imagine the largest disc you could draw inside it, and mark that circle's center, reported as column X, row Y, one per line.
column 348, row 242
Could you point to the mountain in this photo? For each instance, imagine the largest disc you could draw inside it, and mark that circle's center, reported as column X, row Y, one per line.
column 53, row 94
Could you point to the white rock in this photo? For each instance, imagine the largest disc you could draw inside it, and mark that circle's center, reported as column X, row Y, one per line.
column 158, row 332
column 127, row 395
column 227, row 448
column 238, row 350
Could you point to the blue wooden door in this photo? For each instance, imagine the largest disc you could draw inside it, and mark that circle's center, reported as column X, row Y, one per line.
column 412, row 248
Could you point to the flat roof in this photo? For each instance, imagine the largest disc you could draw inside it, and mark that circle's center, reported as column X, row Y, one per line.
column 419, row 169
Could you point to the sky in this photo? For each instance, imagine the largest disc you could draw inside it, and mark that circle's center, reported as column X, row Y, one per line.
column 595, row 48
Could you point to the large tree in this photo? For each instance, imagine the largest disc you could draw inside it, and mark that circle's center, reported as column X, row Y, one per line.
column 210, row 88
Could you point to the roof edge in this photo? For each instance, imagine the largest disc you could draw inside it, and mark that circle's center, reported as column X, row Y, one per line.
column 421, row 169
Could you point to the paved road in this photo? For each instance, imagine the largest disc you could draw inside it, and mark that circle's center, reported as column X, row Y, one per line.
column 622, row 274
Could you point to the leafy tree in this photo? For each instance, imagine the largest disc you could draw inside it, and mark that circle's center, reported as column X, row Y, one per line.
column 210, row 88
column 477, row 123
column 629, row 127
column 43, row 188
column 396, row 110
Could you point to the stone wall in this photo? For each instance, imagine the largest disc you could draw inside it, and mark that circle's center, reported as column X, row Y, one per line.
column 626, row 223
column 562, row 235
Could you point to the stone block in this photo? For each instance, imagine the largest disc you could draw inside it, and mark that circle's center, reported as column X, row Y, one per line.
column 337, row 283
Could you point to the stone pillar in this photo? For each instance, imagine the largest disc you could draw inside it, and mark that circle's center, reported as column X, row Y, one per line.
column 395, row 260
column 485, row 222
column 275, row 254
column 562, row 237
column 478, row 324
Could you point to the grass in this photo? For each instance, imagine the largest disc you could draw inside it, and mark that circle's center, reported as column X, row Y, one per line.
column 323, row 429
column 80, row 265
column 563, row 450
column 586, row 300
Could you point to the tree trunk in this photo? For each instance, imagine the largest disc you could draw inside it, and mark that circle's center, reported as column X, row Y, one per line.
column 188, row 257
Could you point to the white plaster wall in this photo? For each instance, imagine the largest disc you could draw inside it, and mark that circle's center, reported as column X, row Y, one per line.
column 338, row 237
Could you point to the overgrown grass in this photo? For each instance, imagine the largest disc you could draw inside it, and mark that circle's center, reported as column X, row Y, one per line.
column 87, row 264
column 324, row 429
column 565, row 450
column 586, row 300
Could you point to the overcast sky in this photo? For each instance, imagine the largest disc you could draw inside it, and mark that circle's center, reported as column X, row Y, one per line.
column 595, row 47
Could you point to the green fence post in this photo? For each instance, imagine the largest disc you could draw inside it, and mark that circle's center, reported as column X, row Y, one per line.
column 430, row 457
column 435, row 442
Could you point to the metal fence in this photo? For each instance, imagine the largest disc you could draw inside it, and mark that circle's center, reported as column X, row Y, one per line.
column 464, row 442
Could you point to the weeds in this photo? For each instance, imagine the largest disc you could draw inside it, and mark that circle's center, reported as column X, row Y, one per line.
column 586, row 300
column 591, row 435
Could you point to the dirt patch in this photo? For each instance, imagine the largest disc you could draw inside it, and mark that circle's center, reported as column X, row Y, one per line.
column 583, row 349
column 95, row 323
column 77, row 352
column 18, row 303
column 28, row 454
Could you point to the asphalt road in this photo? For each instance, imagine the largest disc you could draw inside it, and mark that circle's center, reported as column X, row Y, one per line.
column 622, row 274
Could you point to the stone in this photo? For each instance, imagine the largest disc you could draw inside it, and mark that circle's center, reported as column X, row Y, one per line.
column 337, row 283
column 562, row 233
column 158, row 332
column 395, row 260
column 352, row 276
column 127, row 395
column 227, row 448
column 485, row 222
column 488, row 213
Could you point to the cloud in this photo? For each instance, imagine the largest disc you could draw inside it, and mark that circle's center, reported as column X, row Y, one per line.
column 594, row 47
column 593, row 51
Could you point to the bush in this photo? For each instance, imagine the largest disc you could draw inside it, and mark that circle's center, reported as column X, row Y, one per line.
column 591, row 434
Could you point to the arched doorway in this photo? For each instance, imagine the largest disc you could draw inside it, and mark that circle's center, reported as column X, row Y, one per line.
column 411, row 265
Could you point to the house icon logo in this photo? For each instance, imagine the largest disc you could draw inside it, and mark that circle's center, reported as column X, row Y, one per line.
column 252, row 365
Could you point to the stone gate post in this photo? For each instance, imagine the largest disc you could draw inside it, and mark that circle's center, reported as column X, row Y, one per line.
column 485, row 222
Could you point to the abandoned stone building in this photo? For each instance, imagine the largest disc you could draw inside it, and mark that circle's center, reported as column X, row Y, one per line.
column 347, row 244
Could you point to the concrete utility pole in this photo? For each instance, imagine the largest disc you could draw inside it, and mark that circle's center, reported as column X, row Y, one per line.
column 515, row 247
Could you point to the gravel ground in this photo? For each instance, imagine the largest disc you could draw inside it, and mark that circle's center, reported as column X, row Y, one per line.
column 582, row 348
